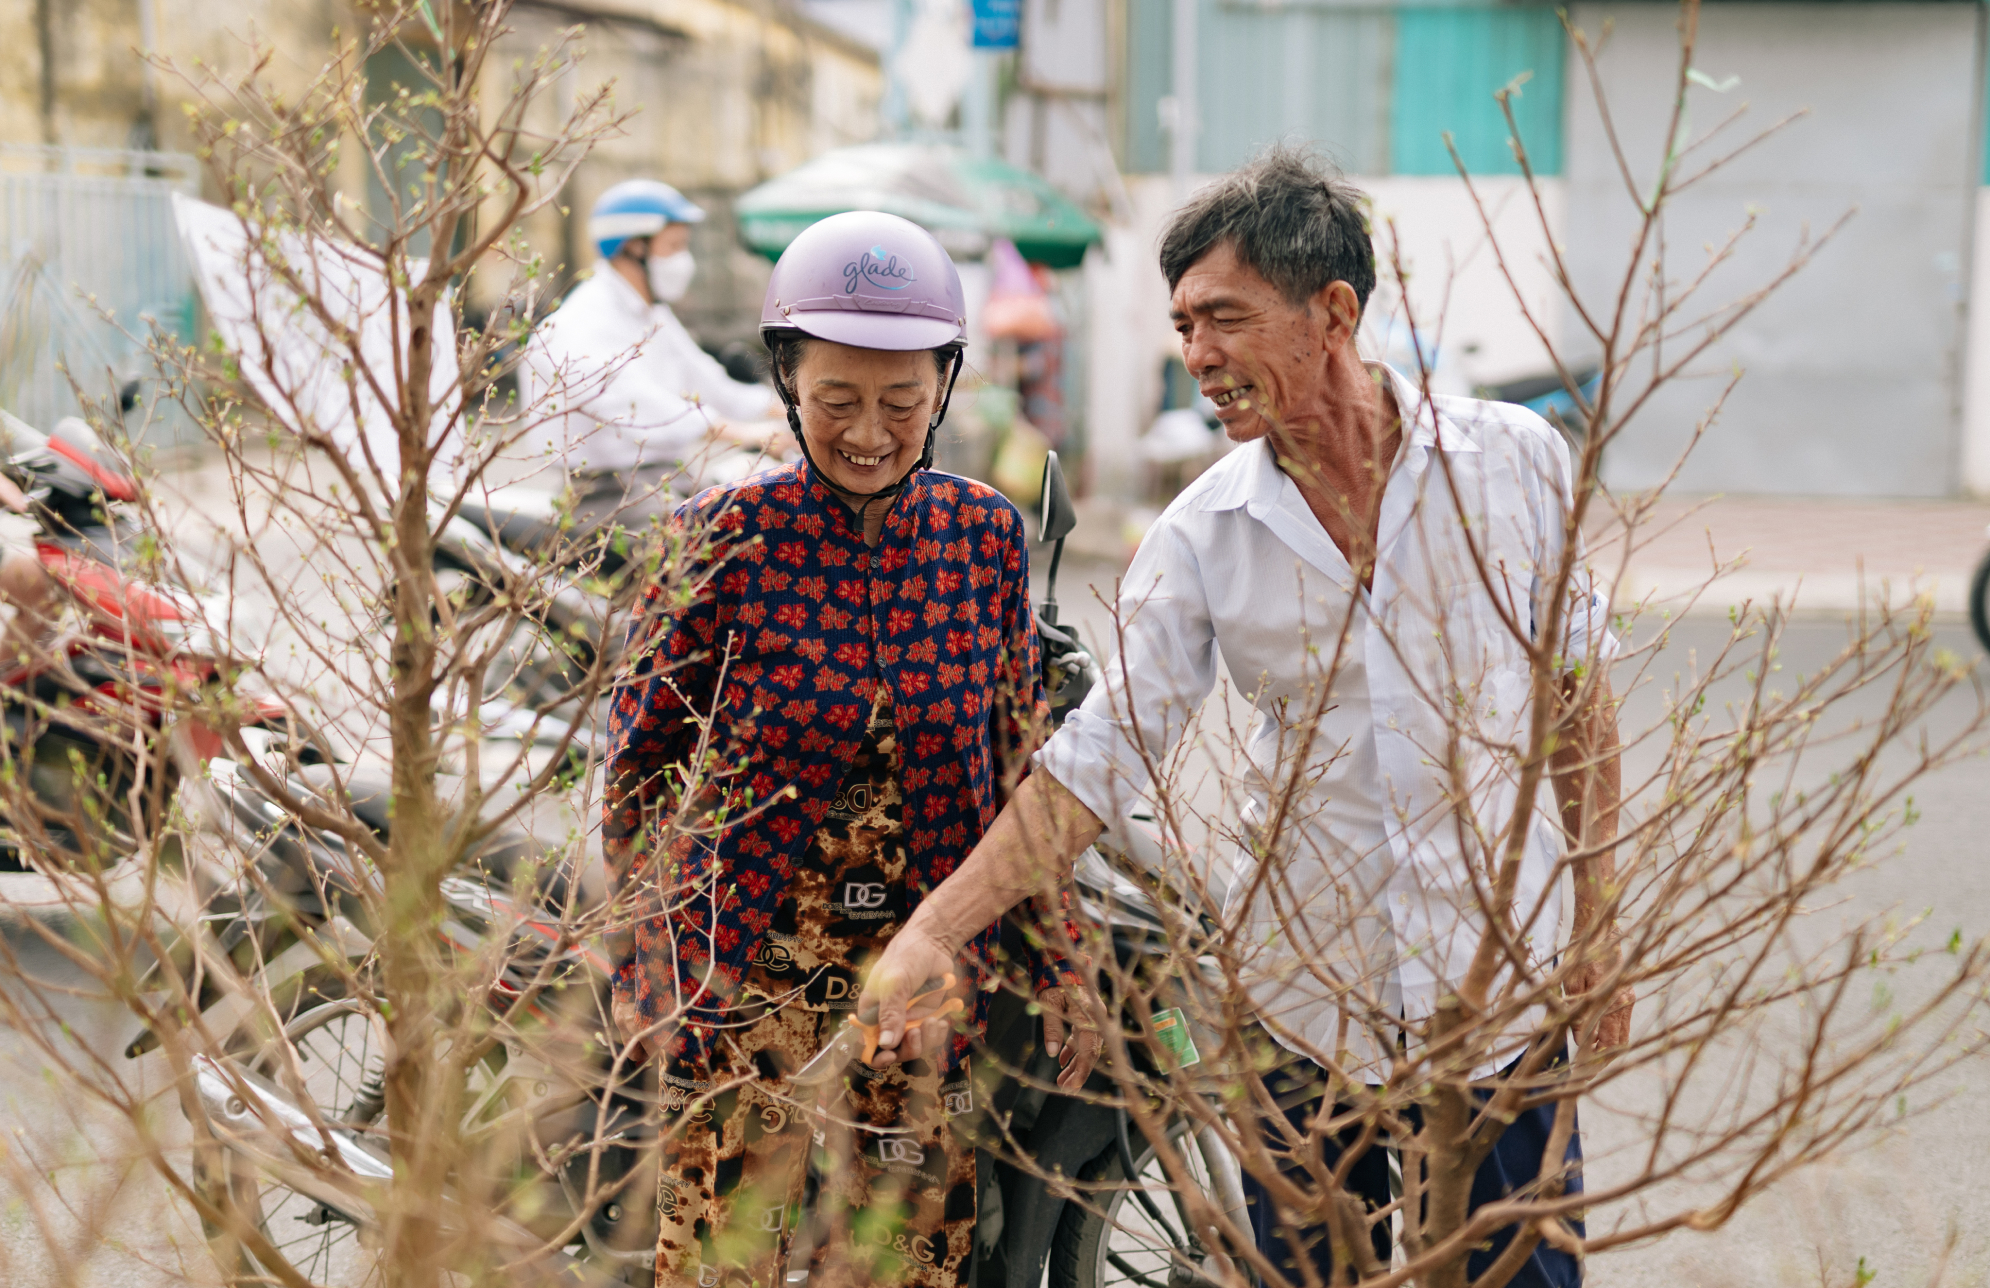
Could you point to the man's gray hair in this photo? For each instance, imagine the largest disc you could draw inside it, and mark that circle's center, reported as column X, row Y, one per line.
column 1289, row 215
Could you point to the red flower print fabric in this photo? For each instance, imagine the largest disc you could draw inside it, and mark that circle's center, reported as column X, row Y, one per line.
column 747, row 705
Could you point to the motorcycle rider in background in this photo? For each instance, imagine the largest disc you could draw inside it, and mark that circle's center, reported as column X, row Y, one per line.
column 629, row 400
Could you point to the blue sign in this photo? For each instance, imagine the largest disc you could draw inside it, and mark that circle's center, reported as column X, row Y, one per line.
column 998, row 24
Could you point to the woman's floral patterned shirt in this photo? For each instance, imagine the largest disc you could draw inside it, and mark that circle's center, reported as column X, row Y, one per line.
column 788, row 619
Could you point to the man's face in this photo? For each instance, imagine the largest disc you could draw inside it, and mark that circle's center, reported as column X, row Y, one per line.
column 1261, row 359
column 673, row 238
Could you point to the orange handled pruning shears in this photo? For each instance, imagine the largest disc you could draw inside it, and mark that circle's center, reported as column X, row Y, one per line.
column 858, row 1039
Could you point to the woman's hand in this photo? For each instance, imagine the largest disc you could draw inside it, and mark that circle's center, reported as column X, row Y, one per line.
column 911, row 959
column 1071, row 1033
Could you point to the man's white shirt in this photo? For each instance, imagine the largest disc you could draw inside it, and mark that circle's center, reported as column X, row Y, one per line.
column 1371, row 911
column 607, row 376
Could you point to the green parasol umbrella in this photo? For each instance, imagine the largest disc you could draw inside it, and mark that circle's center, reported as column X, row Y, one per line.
column 964, row 200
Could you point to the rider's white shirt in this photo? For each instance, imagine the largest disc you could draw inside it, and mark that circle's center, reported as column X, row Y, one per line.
column 1376, row 885
column 698, row 375
column 600, row 398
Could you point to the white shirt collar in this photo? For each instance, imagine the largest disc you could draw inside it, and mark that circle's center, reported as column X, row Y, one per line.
column 1429, row 428
column 1260, row 479
column 625, row 298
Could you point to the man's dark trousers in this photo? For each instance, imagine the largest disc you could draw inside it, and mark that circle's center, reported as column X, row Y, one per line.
column 1515, row 1162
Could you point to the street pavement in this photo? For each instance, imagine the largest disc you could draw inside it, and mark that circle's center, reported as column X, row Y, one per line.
column 1907, row 1206
column 74, row 1209
column 1817, row 555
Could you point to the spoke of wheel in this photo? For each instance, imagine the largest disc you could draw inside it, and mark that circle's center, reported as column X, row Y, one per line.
column 1125, row 1267
column 332, row 1059
column 1135, row 1180
column 1198, row 1174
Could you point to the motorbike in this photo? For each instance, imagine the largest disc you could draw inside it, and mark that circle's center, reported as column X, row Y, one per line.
column 1548, row 396
column 503, row 541
column 508, row 537
column 95, row 705
column 1130, row 1227
column 525, row 1102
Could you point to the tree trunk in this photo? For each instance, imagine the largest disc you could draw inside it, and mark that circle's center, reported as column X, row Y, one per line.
column 422, row 1093
column 1449, row 1158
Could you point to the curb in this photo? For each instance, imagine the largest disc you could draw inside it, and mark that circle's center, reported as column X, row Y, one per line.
column 1692, row 593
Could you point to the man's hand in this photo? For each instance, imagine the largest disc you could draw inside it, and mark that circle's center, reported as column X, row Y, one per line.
column 1615, row 1028
column 1071, row 1034
column 1027, row 849
column 910, row 959
column 1588, row 779
column 629, row 1023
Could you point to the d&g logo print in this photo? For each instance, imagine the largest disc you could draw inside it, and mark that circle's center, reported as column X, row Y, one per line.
column 854, row 800
column 892, row 1149
column 775, row 958
column 867, row 895
column 864, row 894
column 875, row 268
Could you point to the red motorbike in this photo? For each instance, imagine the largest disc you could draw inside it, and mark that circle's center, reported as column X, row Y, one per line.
column 92, row 718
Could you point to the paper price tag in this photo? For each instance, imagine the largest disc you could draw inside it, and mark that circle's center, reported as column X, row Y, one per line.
column 1171, row 1027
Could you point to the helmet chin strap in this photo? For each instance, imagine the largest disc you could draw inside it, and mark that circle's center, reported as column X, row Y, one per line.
column 863, row 500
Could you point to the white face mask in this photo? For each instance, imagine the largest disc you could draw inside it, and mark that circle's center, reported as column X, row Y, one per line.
column 670, row 275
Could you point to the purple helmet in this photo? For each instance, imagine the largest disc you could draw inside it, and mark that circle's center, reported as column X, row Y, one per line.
column 870, row 280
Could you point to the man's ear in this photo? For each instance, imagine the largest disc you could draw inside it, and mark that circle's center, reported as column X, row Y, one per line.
column 1342, row 310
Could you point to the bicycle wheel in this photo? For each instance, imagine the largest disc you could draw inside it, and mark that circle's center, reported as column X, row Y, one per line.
column 339, row 1047
column 1111, row 1239
column 1979, row 602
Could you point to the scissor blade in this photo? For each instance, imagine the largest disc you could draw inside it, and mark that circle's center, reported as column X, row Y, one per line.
column 832, row 1060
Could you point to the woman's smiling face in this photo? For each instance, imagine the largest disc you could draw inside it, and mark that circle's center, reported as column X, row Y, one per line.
column 865, row 411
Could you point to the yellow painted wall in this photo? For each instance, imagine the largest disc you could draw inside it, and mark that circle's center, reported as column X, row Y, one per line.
column 720, row 95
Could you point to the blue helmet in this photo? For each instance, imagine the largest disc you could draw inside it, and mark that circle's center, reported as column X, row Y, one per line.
column 637, row 208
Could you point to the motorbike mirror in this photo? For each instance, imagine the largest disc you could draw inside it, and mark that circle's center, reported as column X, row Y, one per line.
column 1056, row 517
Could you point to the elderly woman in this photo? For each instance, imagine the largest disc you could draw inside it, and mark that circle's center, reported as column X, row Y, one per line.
column 814, row 740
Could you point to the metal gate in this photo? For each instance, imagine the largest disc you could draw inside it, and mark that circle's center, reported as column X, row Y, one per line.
column 92, row 263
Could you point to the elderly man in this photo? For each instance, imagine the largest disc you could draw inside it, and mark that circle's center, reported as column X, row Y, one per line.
column 1377, row 568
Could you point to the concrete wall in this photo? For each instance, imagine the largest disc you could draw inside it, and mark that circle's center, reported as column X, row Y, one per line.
column 1976, row 362
column 1852, row 378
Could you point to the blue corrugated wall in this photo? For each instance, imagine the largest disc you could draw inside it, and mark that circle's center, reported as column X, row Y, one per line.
column 1374, row 87
column 1449, row 65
